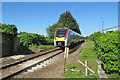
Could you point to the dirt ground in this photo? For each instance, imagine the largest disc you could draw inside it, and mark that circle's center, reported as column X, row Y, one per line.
column 55, row 69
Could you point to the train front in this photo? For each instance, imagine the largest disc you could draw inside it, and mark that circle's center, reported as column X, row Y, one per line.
column 61, row 37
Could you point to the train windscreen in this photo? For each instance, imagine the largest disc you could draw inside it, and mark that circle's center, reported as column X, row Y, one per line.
column 61, row 32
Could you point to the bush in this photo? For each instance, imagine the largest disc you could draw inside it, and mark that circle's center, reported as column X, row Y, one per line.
column 107, row 47
column 27, row 39
column 49, row 41
column 9, row 29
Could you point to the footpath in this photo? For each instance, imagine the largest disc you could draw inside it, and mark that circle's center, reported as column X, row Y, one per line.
column 101, row 72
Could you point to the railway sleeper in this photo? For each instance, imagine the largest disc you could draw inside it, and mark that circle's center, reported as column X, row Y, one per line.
column 40, row 65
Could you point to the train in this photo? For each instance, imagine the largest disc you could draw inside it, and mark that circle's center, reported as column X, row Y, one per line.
column 64, row 37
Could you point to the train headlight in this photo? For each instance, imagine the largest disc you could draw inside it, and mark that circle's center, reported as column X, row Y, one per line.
column 62, row 39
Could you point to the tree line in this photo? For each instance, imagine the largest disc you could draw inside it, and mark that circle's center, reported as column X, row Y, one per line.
column 26, row 39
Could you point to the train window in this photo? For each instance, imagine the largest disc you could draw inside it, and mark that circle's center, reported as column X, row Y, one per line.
column 61, row 32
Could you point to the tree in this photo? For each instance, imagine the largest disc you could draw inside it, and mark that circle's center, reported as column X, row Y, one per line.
column 51, row 29
column 66, row 20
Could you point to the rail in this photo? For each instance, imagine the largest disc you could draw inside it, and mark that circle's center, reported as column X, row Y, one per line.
column 11, row 69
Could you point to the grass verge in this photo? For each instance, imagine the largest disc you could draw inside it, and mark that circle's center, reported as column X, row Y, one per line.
column 113, row 75
column 88, row 53
column 44, row 47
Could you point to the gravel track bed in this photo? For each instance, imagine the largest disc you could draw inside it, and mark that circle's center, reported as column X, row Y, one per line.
column 55, row 69
column 19, row 67
column 26, row 58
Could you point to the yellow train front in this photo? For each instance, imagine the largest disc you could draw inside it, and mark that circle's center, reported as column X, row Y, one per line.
column 65, row 36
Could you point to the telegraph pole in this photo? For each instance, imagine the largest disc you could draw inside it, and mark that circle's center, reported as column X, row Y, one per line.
column 102, row 25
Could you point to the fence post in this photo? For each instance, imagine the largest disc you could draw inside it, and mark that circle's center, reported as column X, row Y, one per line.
column 86, row 67
column 66, row 56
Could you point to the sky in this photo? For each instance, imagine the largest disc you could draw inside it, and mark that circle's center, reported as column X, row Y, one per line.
column 60, row 0
column 35, row 17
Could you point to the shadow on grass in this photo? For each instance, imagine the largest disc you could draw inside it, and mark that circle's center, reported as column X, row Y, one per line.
column 23, row 50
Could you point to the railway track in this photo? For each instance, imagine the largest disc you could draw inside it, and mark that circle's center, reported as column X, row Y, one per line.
column 11, row 69
column 18, row 61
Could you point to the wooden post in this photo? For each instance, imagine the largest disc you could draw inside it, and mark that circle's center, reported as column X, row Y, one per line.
column 66, row 52
column 86, row 67
column 64, row 64
column 66, row 56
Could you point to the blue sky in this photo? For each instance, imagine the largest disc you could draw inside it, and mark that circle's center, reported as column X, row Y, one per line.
column 60, row 0
column 35, row 17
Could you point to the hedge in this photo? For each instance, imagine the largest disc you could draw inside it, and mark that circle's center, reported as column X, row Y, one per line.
column 107, row 47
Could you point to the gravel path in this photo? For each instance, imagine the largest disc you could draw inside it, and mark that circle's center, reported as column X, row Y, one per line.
column 55, row 69
column 101, row 72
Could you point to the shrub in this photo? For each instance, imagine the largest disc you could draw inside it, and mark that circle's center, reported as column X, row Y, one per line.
column 9, row 29
column 107, row 47
column 27, row 39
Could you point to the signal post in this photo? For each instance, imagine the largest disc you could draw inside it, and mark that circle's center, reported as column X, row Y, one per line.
column 66, row 52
